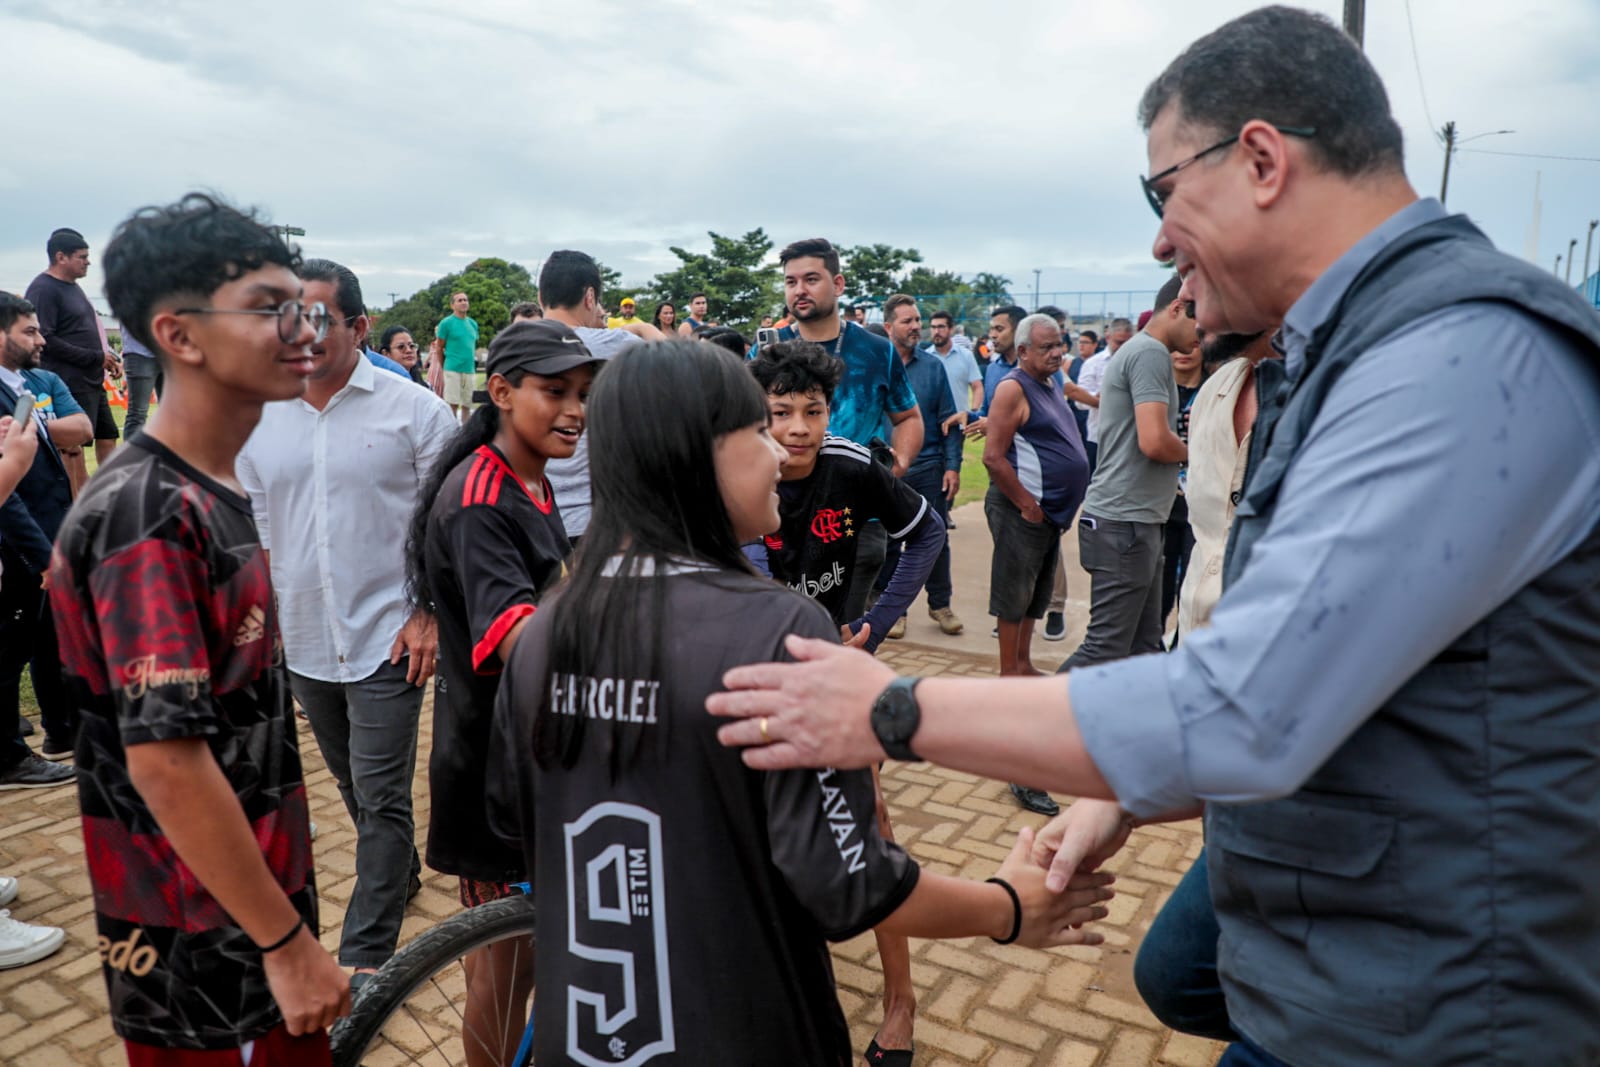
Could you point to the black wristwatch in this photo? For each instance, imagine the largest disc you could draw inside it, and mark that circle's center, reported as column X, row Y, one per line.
column 895, row 718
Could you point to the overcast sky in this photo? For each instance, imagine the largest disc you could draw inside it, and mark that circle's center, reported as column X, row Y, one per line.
column 409, row 136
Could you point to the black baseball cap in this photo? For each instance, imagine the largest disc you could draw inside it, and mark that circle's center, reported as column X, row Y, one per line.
column 540, row 346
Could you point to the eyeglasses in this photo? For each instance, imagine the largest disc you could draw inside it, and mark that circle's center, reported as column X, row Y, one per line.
column 289, row 314
column 1158, row 200
column 405, row 346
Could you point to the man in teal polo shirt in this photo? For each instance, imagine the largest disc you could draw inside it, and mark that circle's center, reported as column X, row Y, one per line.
column 460, row 336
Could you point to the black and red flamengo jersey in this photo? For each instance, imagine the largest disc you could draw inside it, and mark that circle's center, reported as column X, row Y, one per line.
column 491, row 552
column 164, row 610
column 814, row 550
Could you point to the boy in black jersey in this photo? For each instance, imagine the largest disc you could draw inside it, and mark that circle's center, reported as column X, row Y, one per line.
column 830, row 489
column 194, row 810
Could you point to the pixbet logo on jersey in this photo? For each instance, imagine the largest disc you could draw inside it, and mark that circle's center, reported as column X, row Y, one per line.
column 831, row 578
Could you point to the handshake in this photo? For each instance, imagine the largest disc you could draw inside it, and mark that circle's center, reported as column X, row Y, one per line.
column 1055, row 874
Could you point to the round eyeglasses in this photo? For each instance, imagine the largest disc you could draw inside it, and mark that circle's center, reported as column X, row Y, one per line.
column 289, row 314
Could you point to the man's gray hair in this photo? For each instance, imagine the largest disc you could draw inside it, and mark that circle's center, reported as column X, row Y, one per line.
column 1120, row 324
column 1025, row 328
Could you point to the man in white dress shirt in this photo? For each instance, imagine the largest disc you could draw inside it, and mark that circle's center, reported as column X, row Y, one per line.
column 333, row 479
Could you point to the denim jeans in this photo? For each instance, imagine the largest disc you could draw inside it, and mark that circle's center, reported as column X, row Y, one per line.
column 1124, row 564
column 1246, row 1053
column 143, row 374
column 367, row 732
column 929, row 481
column 1176, row 968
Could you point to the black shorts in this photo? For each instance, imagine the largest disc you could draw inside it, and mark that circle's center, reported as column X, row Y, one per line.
column 98, row 408
column 1022, row 569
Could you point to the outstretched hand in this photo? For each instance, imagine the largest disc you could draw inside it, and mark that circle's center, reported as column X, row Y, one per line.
column 1080, row 839
column 816, row 710
column 1054, row 917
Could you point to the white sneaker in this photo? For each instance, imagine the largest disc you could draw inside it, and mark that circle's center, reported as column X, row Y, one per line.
column 8, row 890
column 22, row 943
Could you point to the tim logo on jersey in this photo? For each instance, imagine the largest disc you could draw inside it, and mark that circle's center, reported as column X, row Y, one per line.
column 619, row 1001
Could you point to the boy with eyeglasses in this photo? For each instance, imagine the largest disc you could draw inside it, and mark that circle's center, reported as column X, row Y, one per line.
column 195, row 820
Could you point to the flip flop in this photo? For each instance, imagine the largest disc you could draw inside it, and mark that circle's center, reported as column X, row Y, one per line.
column 889, row 1057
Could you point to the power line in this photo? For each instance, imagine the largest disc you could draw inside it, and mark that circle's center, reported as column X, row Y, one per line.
column 1417, row 62
column 1531, row 155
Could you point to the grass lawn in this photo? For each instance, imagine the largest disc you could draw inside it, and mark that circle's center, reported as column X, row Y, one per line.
column 974, row 476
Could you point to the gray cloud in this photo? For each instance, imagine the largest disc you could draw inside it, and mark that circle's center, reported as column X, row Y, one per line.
column 400, row 135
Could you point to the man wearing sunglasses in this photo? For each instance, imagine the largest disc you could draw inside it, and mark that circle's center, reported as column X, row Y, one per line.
column 1392, row 723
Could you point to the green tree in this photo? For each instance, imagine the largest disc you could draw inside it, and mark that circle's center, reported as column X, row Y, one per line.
column 870, row 270
column 994, row 286
column 739, row 284
column 492, row 285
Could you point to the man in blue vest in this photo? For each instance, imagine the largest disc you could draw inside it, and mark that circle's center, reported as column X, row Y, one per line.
column 1392, row 724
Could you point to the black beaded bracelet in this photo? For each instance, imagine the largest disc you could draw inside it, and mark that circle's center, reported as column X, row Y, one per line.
column 1016, row 911
column 301, row 923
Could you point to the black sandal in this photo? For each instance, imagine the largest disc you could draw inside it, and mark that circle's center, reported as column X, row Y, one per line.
column 889, row 1057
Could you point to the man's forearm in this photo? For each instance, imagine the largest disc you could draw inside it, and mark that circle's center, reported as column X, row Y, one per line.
column 200, row 815
column 906, row 440
column 71, row 431
column 1027, row 733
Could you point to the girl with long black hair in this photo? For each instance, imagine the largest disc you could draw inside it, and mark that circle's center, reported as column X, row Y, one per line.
column 486, row 543
column 685, row 901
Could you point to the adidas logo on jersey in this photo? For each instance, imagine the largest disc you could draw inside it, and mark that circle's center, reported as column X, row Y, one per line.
column 254, row 627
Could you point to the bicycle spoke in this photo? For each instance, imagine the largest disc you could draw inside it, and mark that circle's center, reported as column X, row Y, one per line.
column 511, row 991
column 426, row 1033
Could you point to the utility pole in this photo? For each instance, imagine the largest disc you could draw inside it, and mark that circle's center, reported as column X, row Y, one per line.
column 1572, row 246
column 1451, row 145
column 287, row 232
column 1558, row 264
column 1355, row 21
column 1036, row 288
column 394, row 298
column 1449, row 150
column 1587, row 243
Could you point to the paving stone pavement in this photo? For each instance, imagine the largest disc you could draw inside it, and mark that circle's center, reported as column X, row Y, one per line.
column 978, row 1003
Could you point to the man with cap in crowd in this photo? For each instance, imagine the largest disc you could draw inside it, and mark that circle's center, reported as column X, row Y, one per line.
column 628, row 317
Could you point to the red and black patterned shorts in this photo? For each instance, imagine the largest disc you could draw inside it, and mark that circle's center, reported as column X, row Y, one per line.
column 474, row 892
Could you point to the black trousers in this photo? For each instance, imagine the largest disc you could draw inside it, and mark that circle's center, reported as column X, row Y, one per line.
column 1177, row 542
column 28, row 639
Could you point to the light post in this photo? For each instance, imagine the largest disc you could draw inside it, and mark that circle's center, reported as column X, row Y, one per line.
column 1036, row 288
column 1572, row 246
column 1588, row 242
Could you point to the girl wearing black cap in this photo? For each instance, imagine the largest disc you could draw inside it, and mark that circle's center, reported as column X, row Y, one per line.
column 684, row 899
column 485, row 544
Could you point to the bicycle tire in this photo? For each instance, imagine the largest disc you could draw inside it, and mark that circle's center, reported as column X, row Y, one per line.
column 419, row 961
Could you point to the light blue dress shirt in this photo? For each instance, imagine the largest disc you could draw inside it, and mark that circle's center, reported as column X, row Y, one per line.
column 1448, row 467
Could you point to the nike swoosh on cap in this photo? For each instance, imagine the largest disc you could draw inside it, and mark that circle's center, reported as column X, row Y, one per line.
column 572, row 340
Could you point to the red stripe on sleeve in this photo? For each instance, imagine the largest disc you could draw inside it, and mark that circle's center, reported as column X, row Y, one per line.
column 472, row 476
column 494, row 487
column 485, row 650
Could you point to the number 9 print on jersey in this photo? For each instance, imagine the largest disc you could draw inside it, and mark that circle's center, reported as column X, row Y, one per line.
column 619, row 1005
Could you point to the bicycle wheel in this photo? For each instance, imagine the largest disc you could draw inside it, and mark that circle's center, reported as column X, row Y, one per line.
column 413, row 1010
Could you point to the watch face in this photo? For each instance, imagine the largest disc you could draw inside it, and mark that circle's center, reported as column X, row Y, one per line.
column 895, row 717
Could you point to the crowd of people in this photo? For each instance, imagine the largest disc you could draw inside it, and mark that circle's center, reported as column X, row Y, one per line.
column 1379, row 689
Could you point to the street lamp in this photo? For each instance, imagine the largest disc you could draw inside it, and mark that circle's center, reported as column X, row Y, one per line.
column 1588, row 242
column 1572, row 246
column 1450, row 146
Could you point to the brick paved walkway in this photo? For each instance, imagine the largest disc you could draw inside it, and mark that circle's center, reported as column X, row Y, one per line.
column 978, row 1003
